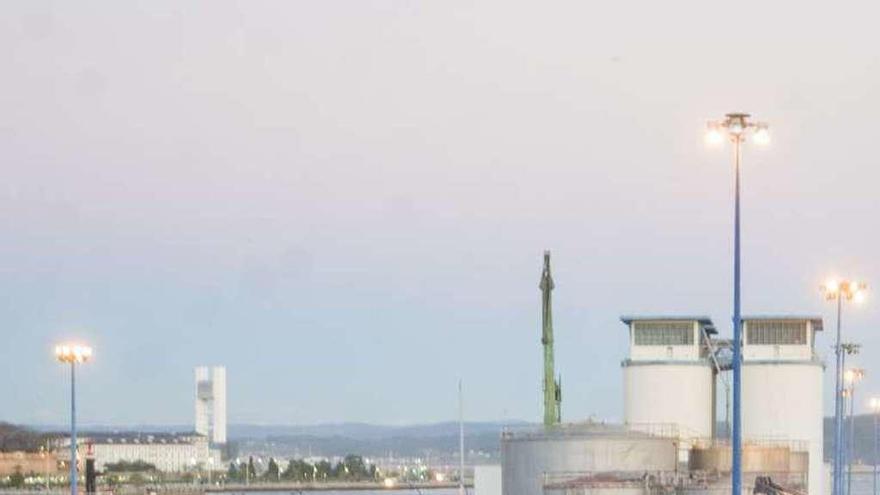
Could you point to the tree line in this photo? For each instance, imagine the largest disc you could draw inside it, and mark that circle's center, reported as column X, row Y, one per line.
column 350, row 468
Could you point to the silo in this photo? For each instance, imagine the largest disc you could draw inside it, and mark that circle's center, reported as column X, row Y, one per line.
column 669, row 376
column 782, row 387
column 534, row 458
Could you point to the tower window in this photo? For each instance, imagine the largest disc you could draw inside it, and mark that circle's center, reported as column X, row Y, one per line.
column 774, row 332
column 663, row 333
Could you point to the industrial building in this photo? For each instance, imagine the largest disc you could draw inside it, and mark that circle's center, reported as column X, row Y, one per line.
column 668, row 440
column 210, row 403
column 671, row 377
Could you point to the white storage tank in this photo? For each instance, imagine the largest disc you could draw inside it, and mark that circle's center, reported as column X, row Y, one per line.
column 782, row 387
column 669, row 376
column 533, row 458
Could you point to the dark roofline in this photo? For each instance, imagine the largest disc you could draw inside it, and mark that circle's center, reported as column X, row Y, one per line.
column 704, row 321
column 816, row 321
column 103, row 435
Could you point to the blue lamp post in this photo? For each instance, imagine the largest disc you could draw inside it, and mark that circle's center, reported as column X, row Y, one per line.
column 73, row 354
column 875, row 408
column 736, row 126
column 838, row 291
column 852, row 376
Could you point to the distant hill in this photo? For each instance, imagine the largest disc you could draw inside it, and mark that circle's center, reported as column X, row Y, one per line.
column 354, row 431
column 370, row 439
column 410, row 440
column 365, row 431
column 864, row 438
column 17, row 438
column 429, row 440
column 340, row 438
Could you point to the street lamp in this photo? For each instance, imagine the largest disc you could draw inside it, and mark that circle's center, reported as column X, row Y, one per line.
column 736, row 127
column 73, row 354
column 840, row 290
column 44, row 453
column 195, row 469
column 875, row 408
column 851, row 376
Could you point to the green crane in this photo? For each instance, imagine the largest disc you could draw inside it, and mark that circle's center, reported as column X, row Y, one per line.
column 552, row 386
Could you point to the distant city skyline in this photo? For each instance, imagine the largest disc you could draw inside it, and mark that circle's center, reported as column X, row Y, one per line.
column 347, row 206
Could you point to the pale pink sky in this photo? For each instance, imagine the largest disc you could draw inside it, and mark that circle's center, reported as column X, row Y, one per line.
column 346, row 202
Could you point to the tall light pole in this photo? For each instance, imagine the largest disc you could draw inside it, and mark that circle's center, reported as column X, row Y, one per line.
column 875, row 408
column 460, row 439
column 736, row 126
column 838, row 291
column 195, row 468
column 44, row 453
column 852, row 376
column 73, row 354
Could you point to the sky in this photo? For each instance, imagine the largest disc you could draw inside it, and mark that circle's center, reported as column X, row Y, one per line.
column 346, row 202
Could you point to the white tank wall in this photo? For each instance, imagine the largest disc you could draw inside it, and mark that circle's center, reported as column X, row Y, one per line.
column 680, row 394
column 783, row 401
column 487, row 480
column 524, row 462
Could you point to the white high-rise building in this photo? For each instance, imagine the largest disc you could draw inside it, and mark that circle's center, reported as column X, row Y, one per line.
column 211, row 403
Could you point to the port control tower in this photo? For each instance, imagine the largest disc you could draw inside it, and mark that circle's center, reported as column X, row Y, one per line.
column 210, row 405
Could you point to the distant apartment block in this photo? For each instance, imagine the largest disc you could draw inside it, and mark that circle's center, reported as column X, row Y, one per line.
column 168, row 452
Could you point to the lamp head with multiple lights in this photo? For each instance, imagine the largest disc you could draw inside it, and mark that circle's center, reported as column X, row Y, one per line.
column 735, row 126
column 851, row 291
column 73, row 353
column 850, row 348
column 854, row 375
column 874, row 404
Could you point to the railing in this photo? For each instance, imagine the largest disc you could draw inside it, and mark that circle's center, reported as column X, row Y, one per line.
column 766, row 442
column 598, row 429
column 664, row 481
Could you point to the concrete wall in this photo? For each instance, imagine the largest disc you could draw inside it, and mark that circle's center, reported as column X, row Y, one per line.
column 783, row 401
column 26, row 462
column 670, row 393
column 755, row 459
